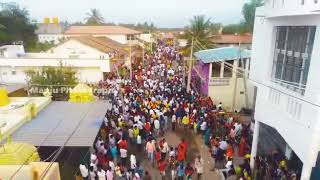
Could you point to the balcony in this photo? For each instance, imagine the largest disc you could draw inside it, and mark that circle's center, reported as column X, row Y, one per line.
column 219, row 82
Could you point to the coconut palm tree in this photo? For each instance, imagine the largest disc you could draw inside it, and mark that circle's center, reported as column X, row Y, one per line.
column 200, row 31
column 248, row 11
column 94, row 17
column 198, row 38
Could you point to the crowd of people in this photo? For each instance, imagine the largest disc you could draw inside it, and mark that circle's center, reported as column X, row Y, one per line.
column 152, row 103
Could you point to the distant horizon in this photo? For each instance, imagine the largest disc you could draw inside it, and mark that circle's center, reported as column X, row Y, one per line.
column 164, row 13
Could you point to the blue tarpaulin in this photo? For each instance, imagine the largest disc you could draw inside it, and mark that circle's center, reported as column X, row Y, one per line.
column 222, row 54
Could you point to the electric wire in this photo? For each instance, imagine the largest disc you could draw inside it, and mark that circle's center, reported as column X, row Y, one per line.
column 54, row 152
column 37, row 149
column 62, row 147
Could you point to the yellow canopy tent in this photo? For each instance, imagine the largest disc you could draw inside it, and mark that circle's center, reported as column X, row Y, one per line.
column 4, row 99
column 18, row 153
column 81, row 93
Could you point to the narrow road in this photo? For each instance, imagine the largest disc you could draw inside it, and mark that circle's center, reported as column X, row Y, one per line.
column 195, row 147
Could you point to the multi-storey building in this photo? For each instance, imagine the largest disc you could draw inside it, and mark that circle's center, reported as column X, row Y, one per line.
column 285, row 69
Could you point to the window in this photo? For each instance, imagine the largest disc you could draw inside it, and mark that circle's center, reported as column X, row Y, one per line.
column 216, row 67
column 130, row 37
column 292, row 55
column 227, row 70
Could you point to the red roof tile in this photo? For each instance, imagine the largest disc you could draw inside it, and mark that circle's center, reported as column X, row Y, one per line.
column 232, row 39
column 89, row 30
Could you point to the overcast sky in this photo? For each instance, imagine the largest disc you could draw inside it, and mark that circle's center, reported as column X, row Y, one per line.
column 164, row 13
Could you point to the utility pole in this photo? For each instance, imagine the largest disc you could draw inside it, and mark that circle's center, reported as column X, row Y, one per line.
column 236, row 79
column 143, row 53
column 190, row 66
column 130, row 53
column 151, row 40
column 121, row 93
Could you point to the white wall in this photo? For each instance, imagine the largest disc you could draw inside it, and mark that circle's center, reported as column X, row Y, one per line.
column 91, row 75
column 13, row 70
column 12, row 51
column 75, row 48
column 120, row 38
column 146, row 37
column 277, row 8
column 225, row 94
column 294, row 116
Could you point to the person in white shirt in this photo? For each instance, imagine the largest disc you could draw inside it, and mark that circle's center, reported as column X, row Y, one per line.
column 106, row 121
column 101, row 174
column 223, row 145
column 92, row 173
column 156, row 126
column 123, row 155
column 139, row 142
column 164, row 149
column 228, row 166
column 173, row 122
column 93, row 159
column 203, row 127
column 130, row 132
column 99, row 142
column 199, row 166
column 84, row 171
column 133, row 161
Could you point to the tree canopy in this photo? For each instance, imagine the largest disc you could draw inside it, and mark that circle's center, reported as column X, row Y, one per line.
column 94, row 17
column 16, row 25
column 248, row 11
column 240, row 28
column 62, row 75
column 55, row 79
column 199, row 30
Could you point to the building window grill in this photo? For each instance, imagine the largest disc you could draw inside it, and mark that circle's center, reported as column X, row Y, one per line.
column 292, row 56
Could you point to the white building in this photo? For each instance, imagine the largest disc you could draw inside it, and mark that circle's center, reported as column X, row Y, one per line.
column 88, row 55
column 285, row 69
column 50, row 33
column 12, row 51
column 120, row 34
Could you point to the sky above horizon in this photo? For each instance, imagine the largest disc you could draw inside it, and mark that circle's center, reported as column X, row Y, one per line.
column 163, row 13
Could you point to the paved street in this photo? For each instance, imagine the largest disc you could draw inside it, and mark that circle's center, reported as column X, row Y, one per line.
column 195, row 147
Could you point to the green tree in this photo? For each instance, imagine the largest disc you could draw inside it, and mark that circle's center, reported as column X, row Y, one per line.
column 200, row 31
column 94, row 17
column 16, row 25
column 145, row 27
column 56, row 79
column 41, row 47
column 240, row 28
column 248, row 11
column 62, row 75
column 215, row 28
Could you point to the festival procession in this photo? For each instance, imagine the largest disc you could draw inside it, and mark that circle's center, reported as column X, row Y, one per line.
column 154, row 102
column 159, row 90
